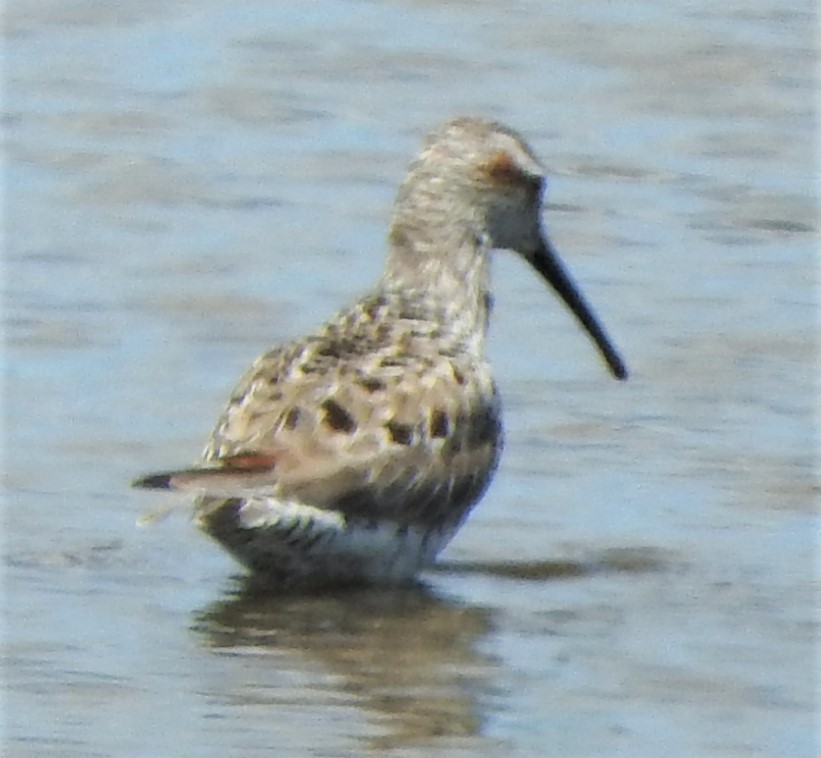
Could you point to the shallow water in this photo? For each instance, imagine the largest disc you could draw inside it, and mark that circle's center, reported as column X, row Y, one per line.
column 189, row 183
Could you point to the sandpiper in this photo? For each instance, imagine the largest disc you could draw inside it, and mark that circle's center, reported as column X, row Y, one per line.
column 353, row 454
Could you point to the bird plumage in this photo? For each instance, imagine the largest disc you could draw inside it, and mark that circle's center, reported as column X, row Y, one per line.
column 355, row 452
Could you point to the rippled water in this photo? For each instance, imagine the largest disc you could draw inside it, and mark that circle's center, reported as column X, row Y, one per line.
column 189, row 183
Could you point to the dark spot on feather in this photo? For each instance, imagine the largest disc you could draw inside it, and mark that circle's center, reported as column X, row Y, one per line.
column 393, row 362
column 291, row 418
column 484, row 428
column 372, row 307
column 369, row 384
column 439, row 423
column 458, row 375
column 330, row 350
column 337, row 418
column 401, row 434
column 338, row 346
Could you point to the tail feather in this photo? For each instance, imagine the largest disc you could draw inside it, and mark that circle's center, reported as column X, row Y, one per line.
column 225, row 476
column 160, row 481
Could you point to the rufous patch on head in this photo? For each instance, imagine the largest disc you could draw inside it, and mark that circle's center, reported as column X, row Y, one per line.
column 502, row 169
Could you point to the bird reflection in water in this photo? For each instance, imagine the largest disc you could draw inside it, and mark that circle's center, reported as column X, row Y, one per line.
column 407, row 658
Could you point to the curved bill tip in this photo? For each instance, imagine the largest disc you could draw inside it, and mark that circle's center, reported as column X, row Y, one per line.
column 547, row 264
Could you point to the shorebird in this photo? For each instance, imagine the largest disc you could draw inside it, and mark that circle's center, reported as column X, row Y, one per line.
column 354, row 454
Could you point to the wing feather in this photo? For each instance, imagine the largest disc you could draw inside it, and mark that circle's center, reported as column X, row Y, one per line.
column 374, row 427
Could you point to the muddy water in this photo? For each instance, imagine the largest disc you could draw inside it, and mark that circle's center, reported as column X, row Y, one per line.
column 188, row 183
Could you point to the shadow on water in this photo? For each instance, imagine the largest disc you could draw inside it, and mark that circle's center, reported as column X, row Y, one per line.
column 620, row 560
column 405, row 656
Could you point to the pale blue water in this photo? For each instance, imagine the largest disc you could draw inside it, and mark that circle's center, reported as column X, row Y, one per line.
column 187, row 184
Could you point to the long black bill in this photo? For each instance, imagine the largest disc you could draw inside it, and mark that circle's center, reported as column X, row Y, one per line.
column 547, row 263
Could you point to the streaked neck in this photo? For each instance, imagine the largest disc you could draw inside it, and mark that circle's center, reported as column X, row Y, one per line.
column 447, row 268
